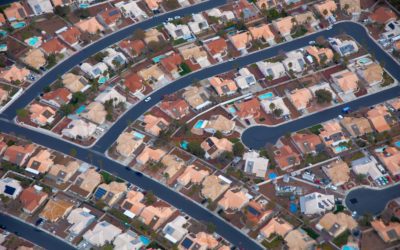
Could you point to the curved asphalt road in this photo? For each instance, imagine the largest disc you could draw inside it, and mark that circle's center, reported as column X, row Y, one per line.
column 63, row 67
column 258, row 136
column 367, row 200
column 188, row 206
column 32, row 234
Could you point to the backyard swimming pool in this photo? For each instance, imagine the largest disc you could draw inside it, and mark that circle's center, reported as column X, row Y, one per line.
column 157, row 59
column 18, row 25
column 199, row 124
column 33, row 41
column 3, row 33
column 397, row 144
column 3, row 47
column 80, row 109
column 232, row 110
column 83, row 5
column 364, row 60
column 138, row 135
column 184, row 145
column 102, row 79
column 144, row 240
column 267, row 95
column 339, row 149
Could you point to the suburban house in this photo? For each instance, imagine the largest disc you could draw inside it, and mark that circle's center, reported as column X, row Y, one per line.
column 110, row 94
column 271, row 70
column 176, row 109
column 90, row 25
column 326, row 8
column 192, row 175
column 180, row 31
column 390, row 157
column 10, row 188
column 299, row 239
column 14, row 74
column 53, row 46
column 338, row 172
column 276, row 226
column 380, row 118
column 134, row 83
column 214, row 147
column 321, row 55
column 41, row 115
column 171, row 63
column 214, row 186
column 275, row 103
column 336, row 224
column 79, row 129
column 383, row 15
column 332, row 135
column 300, row 98
column 316, row 203
column 35, row 58
column 132, row 48
column 95, row 112
column 114, row 59
column 132, row 204
column 356, row 126
column 346, row 81
column 62, row 173
column 56, row 209
column 15, row 12
column 234, row 200
column 80, row 219
column 248, row 109
column 285, row 156
column 241, row 41
column 307, row 143
column 18, row 155
column 222, row 86
column 255, row 164
column 283, row 25
column 198, row 24
column 40, row 163
column 149, row 154
column 110, row 193
column 103, row 233
column 217, row 47
column 71, row 36
column 130, row 9
column 175, row 230
column 196, row 54
column 75, row 83
column 94, row 71
column 263, row 33
column 196, row 97
column 109, row 17
column 32, row 198
column 40, row 6
column 371, row 73
column 86, row 182
column 156, row 216
column 294, row 62
column 389, row 232
column 173, row 165
column 154, row 125
column 127, row 143
column 244, row 78
column 58, row 97
column 367, row 166
column 343, row 47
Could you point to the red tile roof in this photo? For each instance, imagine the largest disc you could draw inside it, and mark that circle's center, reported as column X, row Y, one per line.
column 176, row 109
column 16, row 154
column 133, row 82
column 217, row 46
column 133, row 45
column 53, row 46
column 248, row 109
column 383, row 15
column 31, row 198
column 111, row 16
column 61, row 95
column 172, row 62
column 71, row 35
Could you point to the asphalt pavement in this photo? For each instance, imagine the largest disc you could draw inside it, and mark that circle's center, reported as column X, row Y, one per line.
column 32, row 233
column 81, row 55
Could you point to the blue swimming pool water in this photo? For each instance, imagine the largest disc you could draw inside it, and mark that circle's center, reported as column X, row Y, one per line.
column 83, row 5
column 232, row 110
column 293, row 207
column 3, row 33
column 138, row 135
column 3, row 47
column 339, row 149
column 32, row 41
column 397, row 144
column 364, row 60
column 199, row 124
column 18, row 25
column 346, row 247
column 272, row 175
column 267, row 95
column 80, row 109
column 144, row 240
column 103, row 79
column 157, row 59
column 184, row 145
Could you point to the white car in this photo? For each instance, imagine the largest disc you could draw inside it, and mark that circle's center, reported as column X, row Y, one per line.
column 147, row 99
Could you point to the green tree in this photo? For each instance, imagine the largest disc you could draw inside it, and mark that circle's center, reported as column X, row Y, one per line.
column 139, row 34
column 22, row 113
column 218, row 134
column 278, row 112
column 323, row 96
column 238, row 149
column 62, row 11
column 195, row 148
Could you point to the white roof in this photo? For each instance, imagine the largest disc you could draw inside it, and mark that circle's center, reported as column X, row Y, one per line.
column 275, row 69
column 316, row 203
column 79, row 128
column 102, row 233
column 294, row 61
column 177, row 31
column 95, row 70
column 198, row 24
column 366, row 166
column 80, row 218
column 322, row 85
column 174, row 230
column 255, row 164
column 245, row 78
column 110, row 94
column 131, row 8
column 128, row 241
column 114, row 55
column 278, row 102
